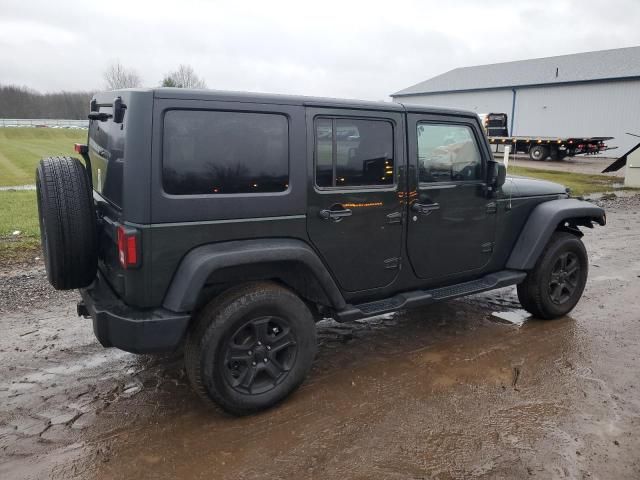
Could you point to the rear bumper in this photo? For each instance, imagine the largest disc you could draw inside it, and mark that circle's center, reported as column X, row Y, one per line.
column 134, row 330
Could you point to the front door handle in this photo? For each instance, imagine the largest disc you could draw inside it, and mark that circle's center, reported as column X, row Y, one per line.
column 425, row 208
column 335, row 215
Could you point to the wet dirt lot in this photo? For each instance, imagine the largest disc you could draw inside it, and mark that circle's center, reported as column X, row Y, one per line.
column 449, row 391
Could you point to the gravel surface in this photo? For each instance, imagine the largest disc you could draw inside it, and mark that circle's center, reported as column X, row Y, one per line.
column 28, row 289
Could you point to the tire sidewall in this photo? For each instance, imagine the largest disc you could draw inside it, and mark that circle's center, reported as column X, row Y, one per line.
column 567, row 244
column 229, row 319
column 42, row 222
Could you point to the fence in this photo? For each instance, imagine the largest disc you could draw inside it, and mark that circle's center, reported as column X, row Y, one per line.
column 43, row 122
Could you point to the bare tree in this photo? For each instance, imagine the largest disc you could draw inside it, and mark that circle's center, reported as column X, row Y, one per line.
column 184, row 77
column 117, row 76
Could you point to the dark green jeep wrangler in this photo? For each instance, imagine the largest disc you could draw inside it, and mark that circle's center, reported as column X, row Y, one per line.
column 232, row 222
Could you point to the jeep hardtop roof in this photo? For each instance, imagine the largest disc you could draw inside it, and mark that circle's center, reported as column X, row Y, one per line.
column 251, row 97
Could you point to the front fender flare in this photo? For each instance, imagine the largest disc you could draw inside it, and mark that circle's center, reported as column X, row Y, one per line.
column 541, row 224
column 196, row 267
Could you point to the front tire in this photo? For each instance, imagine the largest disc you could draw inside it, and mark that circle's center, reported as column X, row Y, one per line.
column 554, row 287
column 250, row 347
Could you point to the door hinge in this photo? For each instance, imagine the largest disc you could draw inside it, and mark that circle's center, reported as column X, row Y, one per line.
column 492, row 207
column 392, row 263
column 395, row 217
column 487, row 247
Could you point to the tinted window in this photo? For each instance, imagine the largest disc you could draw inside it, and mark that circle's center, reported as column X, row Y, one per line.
column 447, row 153
column 208, row 152
column 359, row 151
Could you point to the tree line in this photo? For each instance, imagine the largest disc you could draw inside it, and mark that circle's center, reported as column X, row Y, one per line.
column 23, row 102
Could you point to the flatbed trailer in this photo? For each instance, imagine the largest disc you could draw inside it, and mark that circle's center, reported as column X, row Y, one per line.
column 538, row 148
column 541, row 148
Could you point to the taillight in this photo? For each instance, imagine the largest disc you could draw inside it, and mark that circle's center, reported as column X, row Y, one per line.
column 127, row 247
column 80, row 148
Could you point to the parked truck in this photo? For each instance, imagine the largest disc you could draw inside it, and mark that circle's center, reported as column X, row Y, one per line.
column 539, row 148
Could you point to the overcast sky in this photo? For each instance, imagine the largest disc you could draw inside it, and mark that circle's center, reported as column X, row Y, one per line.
column 344, row 49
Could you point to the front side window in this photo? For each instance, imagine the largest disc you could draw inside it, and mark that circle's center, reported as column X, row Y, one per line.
column 214, row 152
column 353, row 152
column 447, row 153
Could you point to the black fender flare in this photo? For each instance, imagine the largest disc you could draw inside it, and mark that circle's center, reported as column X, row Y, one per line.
column 543, row 221
column 198, row 265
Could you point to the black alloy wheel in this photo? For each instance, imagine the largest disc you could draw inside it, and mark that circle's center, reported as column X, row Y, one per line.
column 250, row 347
column 259, row 355
column 554, row 286
column 564, row 278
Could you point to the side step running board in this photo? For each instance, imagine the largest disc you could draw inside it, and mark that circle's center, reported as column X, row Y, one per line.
column 424, row 297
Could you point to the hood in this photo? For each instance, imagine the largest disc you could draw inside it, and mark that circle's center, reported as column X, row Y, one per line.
column 529, row 187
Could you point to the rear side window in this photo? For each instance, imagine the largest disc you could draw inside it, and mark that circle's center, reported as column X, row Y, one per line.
column 215, row 152
column 353, row 152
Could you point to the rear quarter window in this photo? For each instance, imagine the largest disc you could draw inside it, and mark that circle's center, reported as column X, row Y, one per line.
column 219, row 152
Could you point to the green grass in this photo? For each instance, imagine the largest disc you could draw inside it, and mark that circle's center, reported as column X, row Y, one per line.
column 22, row 148
column 19, row 212
column 579, row 183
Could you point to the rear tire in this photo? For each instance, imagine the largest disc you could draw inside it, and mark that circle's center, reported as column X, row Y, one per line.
column 250, row 347
column 554, row 287
column 67, row 222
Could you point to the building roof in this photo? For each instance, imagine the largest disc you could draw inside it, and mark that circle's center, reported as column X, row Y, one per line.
column 618, row 63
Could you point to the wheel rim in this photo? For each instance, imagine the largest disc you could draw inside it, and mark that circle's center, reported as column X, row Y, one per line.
column 537, row 153
column 564, row 278
column 259, row 355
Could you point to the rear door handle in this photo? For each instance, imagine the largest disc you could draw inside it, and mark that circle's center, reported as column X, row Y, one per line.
column 335, row 215
column 425, row 208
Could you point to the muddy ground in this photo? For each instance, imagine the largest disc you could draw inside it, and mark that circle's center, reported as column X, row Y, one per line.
column 449, row 391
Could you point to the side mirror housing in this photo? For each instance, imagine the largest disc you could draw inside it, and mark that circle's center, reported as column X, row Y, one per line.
column 118, row 110
column 501, row 175
column 497, row 175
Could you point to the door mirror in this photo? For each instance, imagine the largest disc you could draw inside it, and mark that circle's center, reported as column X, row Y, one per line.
column 501, row 177
column 497, row 174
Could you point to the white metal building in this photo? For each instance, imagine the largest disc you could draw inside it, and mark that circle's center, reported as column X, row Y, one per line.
column 592, row 94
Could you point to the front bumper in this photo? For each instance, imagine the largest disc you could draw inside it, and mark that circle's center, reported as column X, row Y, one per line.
column 115, row 324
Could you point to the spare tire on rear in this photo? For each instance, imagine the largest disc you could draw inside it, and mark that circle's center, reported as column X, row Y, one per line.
column 67, row 222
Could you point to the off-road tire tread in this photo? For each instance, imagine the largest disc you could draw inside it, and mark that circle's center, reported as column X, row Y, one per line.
column 209, row 322
column 530, row 291
column 65, row 198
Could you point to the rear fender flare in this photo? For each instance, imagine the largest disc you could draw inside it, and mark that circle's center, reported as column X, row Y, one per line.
column 202, row 262
column 546, row 218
